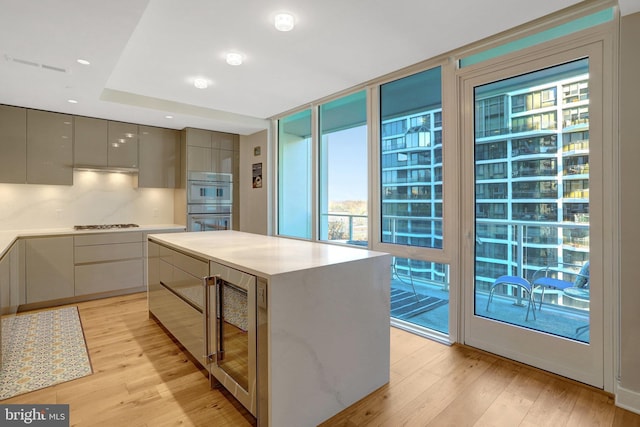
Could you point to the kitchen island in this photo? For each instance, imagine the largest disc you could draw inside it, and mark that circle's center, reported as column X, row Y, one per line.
column 327, row 317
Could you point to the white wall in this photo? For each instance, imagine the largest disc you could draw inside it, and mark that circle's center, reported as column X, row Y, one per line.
column 255, row 209
column 94, row 198
column 629, row 393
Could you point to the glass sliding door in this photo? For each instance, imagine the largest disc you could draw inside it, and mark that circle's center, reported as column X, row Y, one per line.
column 295, row 175
column 343, row 180
column 411, row 199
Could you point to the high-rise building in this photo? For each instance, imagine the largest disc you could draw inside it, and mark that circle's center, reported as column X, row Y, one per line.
column 531, row 176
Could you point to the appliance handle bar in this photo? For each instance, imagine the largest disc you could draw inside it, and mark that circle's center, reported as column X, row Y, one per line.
column 220, row 322
column 207, row 283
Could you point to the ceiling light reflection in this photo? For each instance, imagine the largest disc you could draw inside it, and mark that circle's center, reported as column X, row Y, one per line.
column 200, row 83
column 234, row 58
column 284, row 22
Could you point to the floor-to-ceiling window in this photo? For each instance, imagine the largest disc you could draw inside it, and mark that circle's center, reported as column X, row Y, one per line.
column 294, row 175
column 343, row 170
column 480, row 166
column 411, row 198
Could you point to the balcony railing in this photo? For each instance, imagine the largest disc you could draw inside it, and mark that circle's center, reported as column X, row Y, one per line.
column 347, row 227
column 521, row 249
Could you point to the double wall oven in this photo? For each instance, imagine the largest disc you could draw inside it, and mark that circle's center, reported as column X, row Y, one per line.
column 209, row 201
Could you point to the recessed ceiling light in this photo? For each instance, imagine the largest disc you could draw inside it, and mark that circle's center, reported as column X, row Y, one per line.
column 284, row 22
column 234, row 58
column 72, row 101
column 83, row 62
column 200, row 83
column 168, row 116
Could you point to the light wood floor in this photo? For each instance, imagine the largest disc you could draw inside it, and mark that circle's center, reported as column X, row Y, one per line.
column 142, row 378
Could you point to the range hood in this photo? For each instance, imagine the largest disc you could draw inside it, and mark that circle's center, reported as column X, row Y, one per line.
column 132, row 171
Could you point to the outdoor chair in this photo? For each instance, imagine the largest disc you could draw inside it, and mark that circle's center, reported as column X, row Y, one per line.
column 520, row 283
column 547, row 278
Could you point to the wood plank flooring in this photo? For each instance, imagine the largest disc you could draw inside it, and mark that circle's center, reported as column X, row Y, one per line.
column 143, row 378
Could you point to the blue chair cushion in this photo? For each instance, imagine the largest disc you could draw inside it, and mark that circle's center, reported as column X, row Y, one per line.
column 550, row 282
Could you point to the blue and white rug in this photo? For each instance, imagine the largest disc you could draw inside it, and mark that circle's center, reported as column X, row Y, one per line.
column 42, row 349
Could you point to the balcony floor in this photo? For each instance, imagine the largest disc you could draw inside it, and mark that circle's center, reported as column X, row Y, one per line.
column 551, row 319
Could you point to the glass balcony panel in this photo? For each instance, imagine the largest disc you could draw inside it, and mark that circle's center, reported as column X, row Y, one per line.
column 420, row 293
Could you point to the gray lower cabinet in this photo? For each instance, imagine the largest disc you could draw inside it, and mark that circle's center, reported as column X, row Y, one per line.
column 159, row 155
column 9, row 291
column 13, row 144
column 41, row 269
column 10, row 281
column 49, row 148
column 49, row 268
column 176, row 295
column 5, row 284
column 108, row 262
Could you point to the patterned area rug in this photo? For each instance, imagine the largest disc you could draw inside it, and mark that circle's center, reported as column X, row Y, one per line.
column 42, row 349
column 405, row 305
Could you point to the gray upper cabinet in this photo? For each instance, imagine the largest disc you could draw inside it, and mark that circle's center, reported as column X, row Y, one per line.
column 13, row 144
column 122, row 148
column 199, row 159
column 49, row 148
column 223, row 141
column 159, row 157
column 90, row 142
column 199, row 150
column 198, row 138
column 209, row 151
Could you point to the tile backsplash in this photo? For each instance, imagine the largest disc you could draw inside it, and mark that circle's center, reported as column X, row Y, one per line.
column 94, row 198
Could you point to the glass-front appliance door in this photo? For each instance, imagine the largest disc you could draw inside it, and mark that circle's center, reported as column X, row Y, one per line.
column 232, row 323
column 231, row 330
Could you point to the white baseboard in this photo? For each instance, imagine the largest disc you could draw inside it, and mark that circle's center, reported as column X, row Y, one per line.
column 628, row 399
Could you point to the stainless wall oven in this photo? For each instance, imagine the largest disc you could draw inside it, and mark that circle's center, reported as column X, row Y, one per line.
column 209, row 201
column 208, row 217
column 235, row 318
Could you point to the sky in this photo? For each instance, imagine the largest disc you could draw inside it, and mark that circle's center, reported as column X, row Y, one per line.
column 347, row 157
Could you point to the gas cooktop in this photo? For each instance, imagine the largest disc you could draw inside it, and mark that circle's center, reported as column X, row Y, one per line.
column 103, row 226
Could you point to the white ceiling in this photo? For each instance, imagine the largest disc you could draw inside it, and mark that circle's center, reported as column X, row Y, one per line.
column 145, row 54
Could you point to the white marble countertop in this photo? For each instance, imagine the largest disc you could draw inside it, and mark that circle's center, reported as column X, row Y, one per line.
column 7, row 237
column 262, row 255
